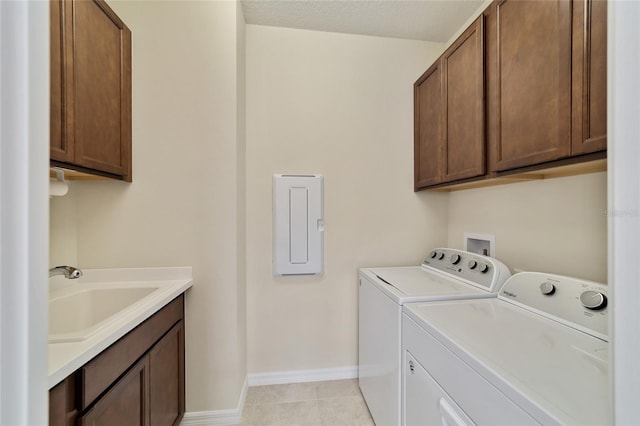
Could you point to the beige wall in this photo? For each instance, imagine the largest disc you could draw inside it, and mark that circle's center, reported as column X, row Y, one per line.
column 556, row 225
column 63, row 229
column 186, row 203
column 337, row 105
column 241, row 201
column 340, row 106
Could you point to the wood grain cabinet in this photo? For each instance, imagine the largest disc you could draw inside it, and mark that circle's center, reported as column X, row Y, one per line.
column 126, row 403
column 139, row 380
column 547, row 99
column 166, row 375
column 589, row 77
column 522, row 91
column 530, row 102
column 90, row 89
column 449, row 114
column 427, row 97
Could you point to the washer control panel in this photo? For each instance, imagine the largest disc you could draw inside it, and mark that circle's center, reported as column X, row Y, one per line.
column 578, row 303
column 476, row 269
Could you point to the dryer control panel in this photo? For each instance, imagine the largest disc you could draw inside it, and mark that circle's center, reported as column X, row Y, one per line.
column 475, row 269
column 580, row 304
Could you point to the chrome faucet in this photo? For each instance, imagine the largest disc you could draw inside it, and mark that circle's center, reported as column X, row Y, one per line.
column 68, row 271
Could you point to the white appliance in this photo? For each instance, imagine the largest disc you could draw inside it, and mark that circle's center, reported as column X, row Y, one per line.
column 445, row 274
column 537, row 354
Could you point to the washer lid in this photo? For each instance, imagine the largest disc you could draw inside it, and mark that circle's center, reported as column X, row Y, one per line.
column 551, row 370
column 418, row 281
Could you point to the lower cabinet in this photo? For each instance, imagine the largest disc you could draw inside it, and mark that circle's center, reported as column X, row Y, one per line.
column 139, row 380
column 166, row 378
column 127, row 403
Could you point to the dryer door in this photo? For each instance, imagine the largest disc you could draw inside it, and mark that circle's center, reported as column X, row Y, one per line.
column 425, row 402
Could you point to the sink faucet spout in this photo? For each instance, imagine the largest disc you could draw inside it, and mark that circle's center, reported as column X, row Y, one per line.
column 68, row 271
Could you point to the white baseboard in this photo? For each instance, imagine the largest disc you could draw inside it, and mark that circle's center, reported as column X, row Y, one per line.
column 218, row 417
column 234, row 415
column 302, row 376
column 212, row 418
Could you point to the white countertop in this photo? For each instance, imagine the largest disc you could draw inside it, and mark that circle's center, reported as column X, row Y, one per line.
column 67, row 357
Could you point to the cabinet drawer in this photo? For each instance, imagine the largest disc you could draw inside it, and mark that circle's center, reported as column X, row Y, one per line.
column 98, row 374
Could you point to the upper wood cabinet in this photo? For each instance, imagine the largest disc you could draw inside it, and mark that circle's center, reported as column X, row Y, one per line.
column 90, row 89
column 463, row 106
column 530, row 102
column 589, row 77
column 522, row 91
column 449, row 114
column 427, row 98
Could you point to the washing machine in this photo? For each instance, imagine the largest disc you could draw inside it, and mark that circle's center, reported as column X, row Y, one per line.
column 536, row 354
column 445, row 274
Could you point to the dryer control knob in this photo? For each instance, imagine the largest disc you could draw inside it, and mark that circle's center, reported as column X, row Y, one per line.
column 455, row 259
column 440, row 256
column 547, row 288
column 472, row 264
column 593, row 300
column 433, row 254
column 484, row 268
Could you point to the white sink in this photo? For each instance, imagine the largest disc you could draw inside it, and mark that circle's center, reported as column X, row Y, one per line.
column 76, row 316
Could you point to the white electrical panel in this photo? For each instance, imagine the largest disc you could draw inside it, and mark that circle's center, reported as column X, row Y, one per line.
column 298, row 224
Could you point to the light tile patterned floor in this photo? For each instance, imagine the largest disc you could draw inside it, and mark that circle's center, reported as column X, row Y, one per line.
column 333, row 403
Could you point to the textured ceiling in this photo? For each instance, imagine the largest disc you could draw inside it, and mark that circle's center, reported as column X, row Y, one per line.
column 430, row 20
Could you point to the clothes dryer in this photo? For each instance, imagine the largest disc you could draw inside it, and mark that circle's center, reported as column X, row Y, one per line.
column 536, row 354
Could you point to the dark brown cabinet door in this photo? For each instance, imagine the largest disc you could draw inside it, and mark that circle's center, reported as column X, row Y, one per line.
column 166, row 361
column 531, row 99
column 449, row 142
column 126, row 403
column 62, row 403
column 464, row 153
column 589, row 85
column 60, row 75
column 91, row 88
column 427, row 97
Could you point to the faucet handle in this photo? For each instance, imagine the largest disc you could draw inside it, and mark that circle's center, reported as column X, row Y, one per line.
column 68, row 271
column 74, row 273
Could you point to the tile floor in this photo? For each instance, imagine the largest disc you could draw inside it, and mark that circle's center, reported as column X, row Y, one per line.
column 334, row 403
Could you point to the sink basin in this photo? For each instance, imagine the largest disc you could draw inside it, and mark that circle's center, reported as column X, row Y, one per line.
column 76, row 316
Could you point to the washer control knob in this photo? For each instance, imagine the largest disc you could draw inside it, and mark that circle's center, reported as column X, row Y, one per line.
column 594, row 300
column 440, row 256
column 472, row 264
column 455, row 259
column 547, row 288
column 484, row 268
column 433, row 254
